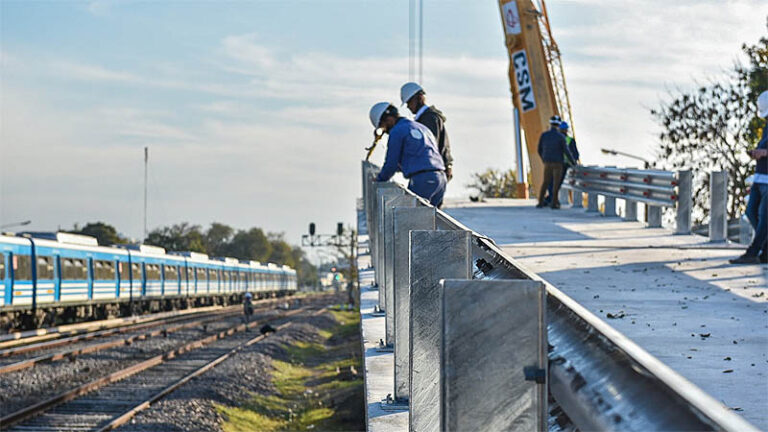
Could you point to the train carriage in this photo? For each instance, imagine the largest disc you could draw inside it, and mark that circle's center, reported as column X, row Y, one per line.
column 67, row 270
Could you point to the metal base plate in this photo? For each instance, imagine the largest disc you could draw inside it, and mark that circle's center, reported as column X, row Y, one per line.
column 393, row 405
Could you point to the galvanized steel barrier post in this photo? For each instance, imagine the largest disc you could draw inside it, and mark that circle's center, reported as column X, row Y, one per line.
column 494, row 356
column 654, row 216
column 406, row 220
column 746, row 232
column 402, row 201
column 718, row 208
column 592, row 202
column 384, row 192
column 630, row 210
column 610, row 206
column 684, row 202
column 563, row 196
column 578, row 199
column 435, row 255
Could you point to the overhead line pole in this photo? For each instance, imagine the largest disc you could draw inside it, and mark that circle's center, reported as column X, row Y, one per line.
column 146, row 161
column 421, row 42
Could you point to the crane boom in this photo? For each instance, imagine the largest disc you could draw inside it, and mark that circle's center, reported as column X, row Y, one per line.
column 536, row 75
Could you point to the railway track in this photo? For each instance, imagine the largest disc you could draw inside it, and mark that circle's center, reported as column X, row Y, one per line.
column 28, row 356
column 115, row 398
column 21, row 338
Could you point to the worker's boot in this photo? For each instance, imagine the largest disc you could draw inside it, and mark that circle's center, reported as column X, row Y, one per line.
column 746, row 259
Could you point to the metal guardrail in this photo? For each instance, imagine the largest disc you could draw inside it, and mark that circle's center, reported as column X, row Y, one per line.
column 654, row 188
column 598, row 377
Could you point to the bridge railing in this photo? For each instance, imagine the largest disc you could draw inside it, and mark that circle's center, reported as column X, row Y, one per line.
column 654, row 188
column 451, row 360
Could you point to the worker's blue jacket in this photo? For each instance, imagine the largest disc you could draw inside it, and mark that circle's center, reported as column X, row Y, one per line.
column 411, row 149
column 762, row 163
column 552, row 146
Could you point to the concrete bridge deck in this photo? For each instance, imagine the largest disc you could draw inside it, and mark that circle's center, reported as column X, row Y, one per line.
column 675, row 295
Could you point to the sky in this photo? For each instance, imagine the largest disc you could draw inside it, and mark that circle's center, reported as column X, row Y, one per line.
column 256, row 112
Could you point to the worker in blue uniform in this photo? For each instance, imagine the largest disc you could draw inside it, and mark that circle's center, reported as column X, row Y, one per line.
column 570, row 158
column 757, row 207
column 552, row 148
column 412, row 150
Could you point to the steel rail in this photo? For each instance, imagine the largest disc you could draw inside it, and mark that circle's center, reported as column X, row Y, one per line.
column 80, row 390
column 129, row 414
column 103, row 333
column 599, row 377
column 32, row 362
column 87, row 335
column 33, row 336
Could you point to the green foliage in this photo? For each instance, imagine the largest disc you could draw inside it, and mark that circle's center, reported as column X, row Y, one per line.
column 223, row 240
column 713, row 127
column 106, row 234
column 217, row 238
column 179, row 237
column 494, row 183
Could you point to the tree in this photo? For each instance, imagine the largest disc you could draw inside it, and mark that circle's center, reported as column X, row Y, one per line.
column 494, row 183
column 106, row 234
column 713, row 127
column 250, row 245
column 217, row 238
column 179, row 237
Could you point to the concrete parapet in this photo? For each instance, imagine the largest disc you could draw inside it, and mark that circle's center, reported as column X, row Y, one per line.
column 405, row 221
column 494, row 356
column 435, row 255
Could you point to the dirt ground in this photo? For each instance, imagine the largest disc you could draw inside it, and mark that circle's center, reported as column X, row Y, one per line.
column 305, row 377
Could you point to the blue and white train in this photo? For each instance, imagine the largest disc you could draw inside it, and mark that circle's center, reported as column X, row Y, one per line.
column 54, row 277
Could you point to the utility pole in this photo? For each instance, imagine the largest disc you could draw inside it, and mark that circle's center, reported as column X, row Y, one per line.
column 146, row 162
column 421, row 42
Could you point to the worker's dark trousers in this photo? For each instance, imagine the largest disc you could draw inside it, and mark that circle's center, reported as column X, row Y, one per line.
column 553, row 171
column 429, row 185
column 757, row 213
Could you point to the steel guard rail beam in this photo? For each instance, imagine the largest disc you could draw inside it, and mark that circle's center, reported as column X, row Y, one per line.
column 599, row 377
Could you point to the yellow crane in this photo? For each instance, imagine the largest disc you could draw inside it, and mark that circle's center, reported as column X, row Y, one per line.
column 536, row 76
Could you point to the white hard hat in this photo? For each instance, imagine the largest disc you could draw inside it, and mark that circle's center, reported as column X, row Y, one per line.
column 377, row 111
column 409, row 90
column 762, row 104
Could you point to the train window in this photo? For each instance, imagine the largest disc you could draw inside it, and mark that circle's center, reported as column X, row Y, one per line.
column 103, row 270
column 2, row 266
column 152, row 271
column 226, row 276
column 44, row 267
column 213, row 274
column 136, row 271
column 74, row 269
column 171, row 272
column 201, row 274
column 22, row 267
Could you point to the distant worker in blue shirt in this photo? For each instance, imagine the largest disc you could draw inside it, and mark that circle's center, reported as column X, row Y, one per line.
column 411, row 149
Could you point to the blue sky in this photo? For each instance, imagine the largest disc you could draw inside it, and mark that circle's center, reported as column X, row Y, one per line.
column 255, row 112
